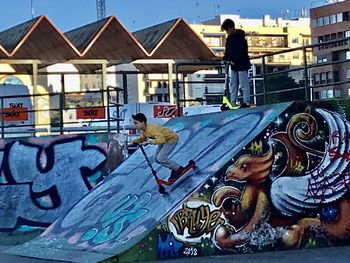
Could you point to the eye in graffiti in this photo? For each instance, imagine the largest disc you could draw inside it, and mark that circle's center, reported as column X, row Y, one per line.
column 168, row 246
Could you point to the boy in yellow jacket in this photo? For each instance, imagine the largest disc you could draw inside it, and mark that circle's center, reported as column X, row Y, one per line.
column 166, row 140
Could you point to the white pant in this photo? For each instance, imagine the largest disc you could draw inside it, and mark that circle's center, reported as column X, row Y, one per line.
column 239, row 78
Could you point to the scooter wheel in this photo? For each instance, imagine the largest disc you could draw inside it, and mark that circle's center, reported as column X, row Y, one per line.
column 162, row 189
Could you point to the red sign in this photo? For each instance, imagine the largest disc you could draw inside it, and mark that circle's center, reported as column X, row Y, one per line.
column 15, row 114
column 165, row 111
column 91, row 113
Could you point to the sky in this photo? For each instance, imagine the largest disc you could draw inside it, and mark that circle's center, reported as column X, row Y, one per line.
column 138, row 14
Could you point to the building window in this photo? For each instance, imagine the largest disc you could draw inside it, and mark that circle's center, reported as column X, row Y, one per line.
column 333, row 19
column 348, row 73
column 317, row 95
column 296, row 55
column 316, row 79
column 346, row 16
column 295, row 40
column 349, row 92
column 339, row 17
column 326, row 20
column 329, row 77
column 320, row 21
column 323, row 94
column 314, row 23
column 347, row 55
column 330, row 94
column 336, row 76
column 306, row 42
column 337, row 93
column 347, row 33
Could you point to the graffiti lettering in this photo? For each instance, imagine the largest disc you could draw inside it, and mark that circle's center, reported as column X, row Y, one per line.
column 297, row 167
column 334, row 155
column 129, row 210
column 190, row 251
column 320, row 186
column 342, row 137
column 44, row 179
column 198, row 220
column 256, row 147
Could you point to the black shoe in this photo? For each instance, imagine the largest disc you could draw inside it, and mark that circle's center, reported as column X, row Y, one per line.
column 244, row 105
column 175, row 174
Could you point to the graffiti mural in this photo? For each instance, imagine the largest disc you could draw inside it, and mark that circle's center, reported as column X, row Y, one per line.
column 269, row 178
column 121, row 211
column 287, row 188
column 42, row 178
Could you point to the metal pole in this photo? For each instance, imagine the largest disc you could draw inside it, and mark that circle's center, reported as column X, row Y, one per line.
column 264, row 78
column 118, row 111
column 171, row 84
column 306, row 76
column 108, row 108
column 2, row 119
column 184, row 89
column 177, row 89
column 35, row 91
column 125, row 88
column 61, row 103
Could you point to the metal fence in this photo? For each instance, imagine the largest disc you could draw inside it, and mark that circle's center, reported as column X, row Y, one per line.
column 277, row 80
column 68, row 112
column 272, row 80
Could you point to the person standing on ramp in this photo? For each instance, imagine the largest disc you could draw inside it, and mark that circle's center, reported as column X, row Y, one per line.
column 236, row 51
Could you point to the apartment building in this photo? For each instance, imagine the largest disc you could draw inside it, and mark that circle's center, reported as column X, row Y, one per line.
column 264, row 36
column 330, row 22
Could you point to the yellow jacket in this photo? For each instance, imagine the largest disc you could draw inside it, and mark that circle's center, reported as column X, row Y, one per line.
column 158, row 134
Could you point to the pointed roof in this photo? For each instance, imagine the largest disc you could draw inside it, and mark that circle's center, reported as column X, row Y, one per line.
column 3, row 53
column 174, row 39
column 11, row 37
column 107, row 39
column 81, row 37
column 151, row 36
column 37, row 39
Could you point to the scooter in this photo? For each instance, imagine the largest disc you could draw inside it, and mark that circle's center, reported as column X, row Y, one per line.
column 226, row 104
column 191, row 165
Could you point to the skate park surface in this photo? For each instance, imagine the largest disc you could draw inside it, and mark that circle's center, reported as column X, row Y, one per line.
column 217, row 209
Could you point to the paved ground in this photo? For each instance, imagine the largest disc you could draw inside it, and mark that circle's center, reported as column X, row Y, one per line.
column 326, row 255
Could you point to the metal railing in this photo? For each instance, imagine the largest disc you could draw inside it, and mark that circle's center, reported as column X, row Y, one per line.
column 19, row 116
column 266, row 91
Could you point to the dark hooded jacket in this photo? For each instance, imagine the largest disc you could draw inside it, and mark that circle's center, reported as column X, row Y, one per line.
column 236, row 51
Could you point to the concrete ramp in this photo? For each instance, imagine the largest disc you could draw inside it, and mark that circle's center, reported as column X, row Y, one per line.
column 123, row 209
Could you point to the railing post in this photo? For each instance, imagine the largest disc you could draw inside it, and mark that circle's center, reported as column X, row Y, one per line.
column 61, row 105
column 264, row 78
column 118, row 111
column 177, row 89
column 125, row 88
column 306, row 76
column 108, row 108
column 2, row 119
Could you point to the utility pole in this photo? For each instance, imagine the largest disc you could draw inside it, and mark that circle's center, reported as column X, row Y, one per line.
column 101, row 9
